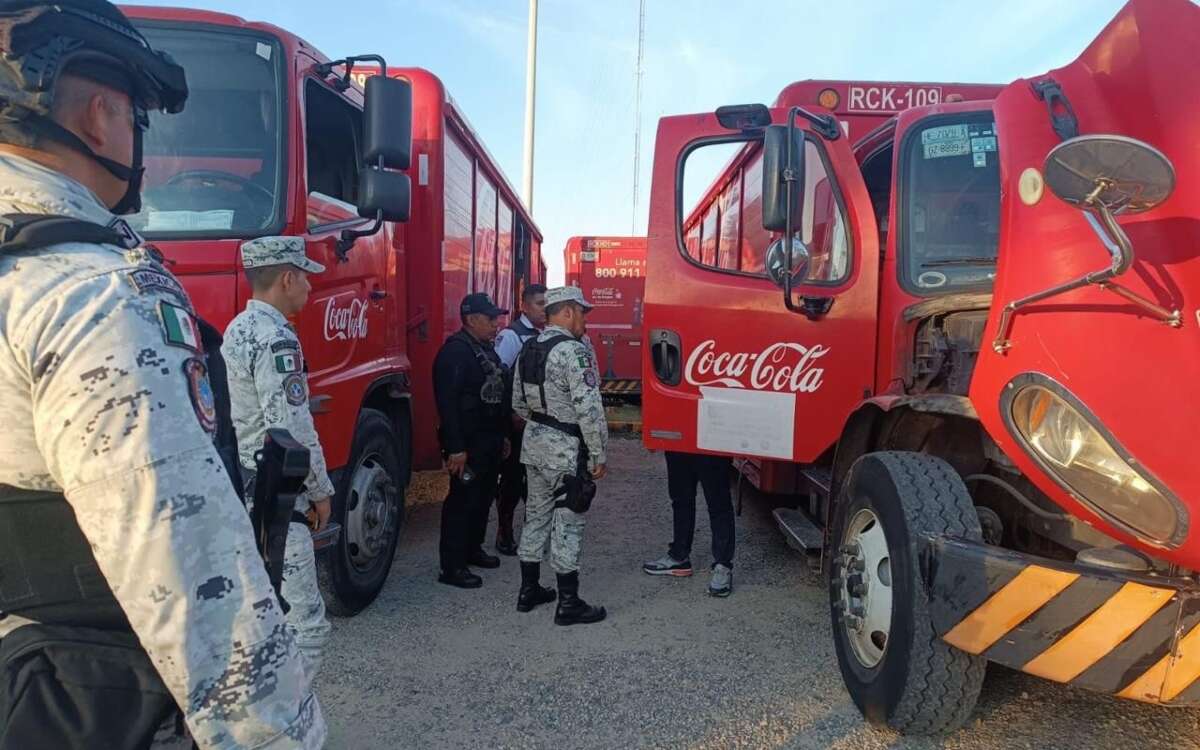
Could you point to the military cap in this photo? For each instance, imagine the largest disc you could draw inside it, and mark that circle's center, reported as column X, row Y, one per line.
column 277, row 251
column 567, row 294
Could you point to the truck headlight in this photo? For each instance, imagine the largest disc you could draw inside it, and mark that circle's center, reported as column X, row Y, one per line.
column 1058, row 431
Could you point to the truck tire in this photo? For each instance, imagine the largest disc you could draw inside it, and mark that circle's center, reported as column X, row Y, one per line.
column 898, row 671
column 370, row 506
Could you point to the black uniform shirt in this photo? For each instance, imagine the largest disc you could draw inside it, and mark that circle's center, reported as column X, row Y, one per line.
column 468, row 422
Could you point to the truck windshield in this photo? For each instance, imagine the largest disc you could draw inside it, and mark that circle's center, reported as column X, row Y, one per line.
column 950, row 210
column 214, row 169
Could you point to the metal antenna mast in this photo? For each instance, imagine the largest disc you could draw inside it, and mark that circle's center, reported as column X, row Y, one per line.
column 637, row 113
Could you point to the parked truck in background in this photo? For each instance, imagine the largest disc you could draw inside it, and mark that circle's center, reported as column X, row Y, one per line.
column 612, row 273
column 973, row 336
column 277, row 140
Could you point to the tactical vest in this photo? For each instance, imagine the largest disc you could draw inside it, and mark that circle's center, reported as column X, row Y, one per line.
column 577, row 491
column 48, row 573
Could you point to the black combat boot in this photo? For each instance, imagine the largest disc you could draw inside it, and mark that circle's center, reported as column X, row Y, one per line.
column 532, row 592
column 571, row 609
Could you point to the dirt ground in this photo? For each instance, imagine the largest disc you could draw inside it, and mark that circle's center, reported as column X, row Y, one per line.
column 429, row 666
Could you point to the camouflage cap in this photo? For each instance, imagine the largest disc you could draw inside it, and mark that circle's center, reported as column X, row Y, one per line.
column 277, row 251
column 567, row 294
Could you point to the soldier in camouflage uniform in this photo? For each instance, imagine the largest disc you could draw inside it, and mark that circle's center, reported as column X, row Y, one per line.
column 108, row 459
column 570, row 389
column 268, row 387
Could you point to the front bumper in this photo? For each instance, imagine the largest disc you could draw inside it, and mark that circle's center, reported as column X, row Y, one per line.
column 1130, row 635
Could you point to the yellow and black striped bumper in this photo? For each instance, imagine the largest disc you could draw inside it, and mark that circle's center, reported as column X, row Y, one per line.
column 621, row 387
column 1131, row 635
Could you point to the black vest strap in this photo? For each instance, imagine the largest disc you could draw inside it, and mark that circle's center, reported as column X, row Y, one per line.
column 21, row 232
column 532, row 362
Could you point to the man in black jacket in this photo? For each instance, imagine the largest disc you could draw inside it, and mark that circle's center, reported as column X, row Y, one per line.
column 473, row 406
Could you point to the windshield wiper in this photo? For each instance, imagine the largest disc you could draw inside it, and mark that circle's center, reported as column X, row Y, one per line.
column 969, row 260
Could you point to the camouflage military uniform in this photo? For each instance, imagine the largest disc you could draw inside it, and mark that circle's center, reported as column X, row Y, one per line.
column 103, row 390
column 268, row 387
column 572, row 396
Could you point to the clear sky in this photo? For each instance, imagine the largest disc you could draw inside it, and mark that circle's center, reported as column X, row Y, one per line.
column 699, row 54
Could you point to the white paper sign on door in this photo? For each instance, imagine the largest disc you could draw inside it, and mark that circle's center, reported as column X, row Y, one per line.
column 745, row 422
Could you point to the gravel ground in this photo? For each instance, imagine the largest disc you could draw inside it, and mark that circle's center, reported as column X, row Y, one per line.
column 428, row 666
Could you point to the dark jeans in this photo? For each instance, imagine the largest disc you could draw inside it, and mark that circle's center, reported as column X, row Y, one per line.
column 513, row 489
column 465, row 518
column 684, row 472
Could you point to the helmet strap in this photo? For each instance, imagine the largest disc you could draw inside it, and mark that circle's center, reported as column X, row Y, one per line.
column 131, row 201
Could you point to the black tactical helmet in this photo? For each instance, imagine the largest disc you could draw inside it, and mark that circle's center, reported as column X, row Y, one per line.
column 40, row 40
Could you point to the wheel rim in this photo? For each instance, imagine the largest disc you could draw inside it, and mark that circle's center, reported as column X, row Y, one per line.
column 865, row 588
column 371, row 513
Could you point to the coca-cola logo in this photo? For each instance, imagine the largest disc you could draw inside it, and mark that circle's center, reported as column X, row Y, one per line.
column 782, row 366
column 349, row 322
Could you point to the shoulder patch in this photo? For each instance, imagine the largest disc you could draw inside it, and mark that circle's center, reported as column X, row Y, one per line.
column 200, row 390
column 584, row 359
column 590, row 379
column 284, row 345
column 288, row 362
column 294, row 390
column 179, row 326
column 149, row 280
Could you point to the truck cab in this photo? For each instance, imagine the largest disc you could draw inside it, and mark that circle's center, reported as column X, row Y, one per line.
column 275, row 141
column 933, row 327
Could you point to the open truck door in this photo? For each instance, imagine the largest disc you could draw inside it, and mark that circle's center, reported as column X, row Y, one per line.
column 741, row 356
column 1092, row 352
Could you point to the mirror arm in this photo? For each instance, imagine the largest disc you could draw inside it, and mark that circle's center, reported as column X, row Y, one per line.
column 326, row 69
column 350, row 236
column 1118, row 244
column 825, row 125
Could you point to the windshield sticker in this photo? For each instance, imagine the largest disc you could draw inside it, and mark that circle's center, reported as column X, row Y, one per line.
column 263, row 50
column 944, row 133
column 983, row 143
column 189, row 221
column 942, row 149
column 980, row 158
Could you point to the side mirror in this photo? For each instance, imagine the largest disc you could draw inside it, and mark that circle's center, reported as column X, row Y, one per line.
column 782, row 166
column 387, row 116
column 777, row 262
column 383, row 192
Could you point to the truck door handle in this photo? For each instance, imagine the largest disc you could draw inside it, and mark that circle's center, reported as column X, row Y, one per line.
column 666, row 353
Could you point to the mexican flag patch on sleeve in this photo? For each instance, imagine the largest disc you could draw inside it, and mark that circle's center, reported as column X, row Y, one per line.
column 179, row 326
column 287, row 362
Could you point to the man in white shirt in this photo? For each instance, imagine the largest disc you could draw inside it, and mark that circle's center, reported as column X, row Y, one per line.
column 512, row 474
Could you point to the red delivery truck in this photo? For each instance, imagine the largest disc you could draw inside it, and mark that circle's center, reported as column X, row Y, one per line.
column 973, row 335
column 612, row 273
column 276, row 140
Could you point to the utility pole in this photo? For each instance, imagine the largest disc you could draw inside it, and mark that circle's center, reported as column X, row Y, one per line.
column 637, row 113
column 530, row 95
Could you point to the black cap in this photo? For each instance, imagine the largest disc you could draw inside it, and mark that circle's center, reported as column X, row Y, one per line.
column 481, row 304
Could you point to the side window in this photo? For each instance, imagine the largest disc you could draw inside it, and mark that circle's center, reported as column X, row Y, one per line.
column 824, row 226
column 754, row 237
column 725, row 229
column 731, row 212
column 332, row 140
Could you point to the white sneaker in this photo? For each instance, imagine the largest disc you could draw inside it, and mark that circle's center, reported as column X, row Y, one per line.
column 721, row 583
